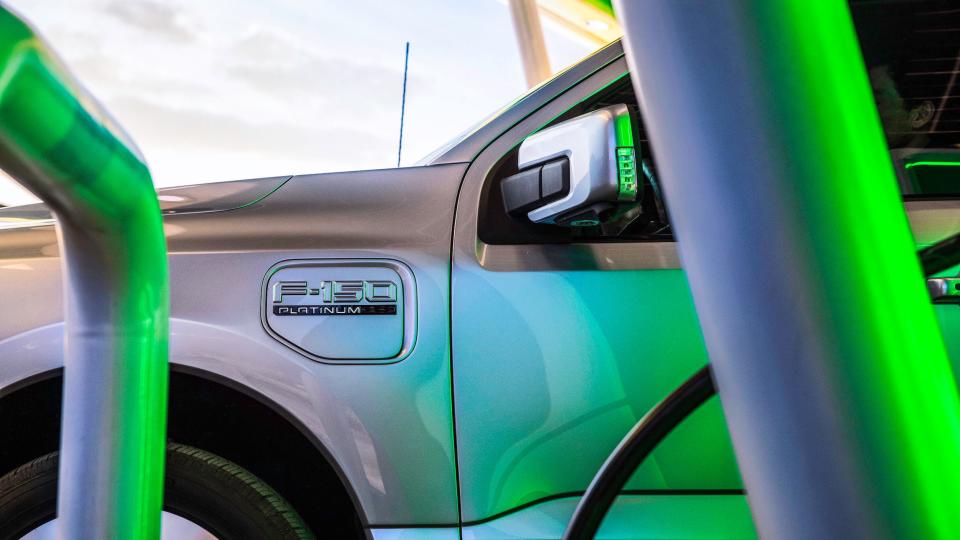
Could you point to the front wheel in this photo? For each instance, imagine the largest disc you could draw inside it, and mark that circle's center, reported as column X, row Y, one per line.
column 204, row 493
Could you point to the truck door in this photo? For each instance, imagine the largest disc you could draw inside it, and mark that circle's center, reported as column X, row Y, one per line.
column 562, row 339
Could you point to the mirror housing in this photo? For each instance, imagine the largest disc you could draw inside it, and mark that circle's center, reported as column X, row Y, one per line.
column 577, row 173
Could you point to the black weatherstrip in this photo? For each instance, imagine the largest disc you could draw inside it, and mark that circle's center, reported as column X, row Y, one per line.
column 633, row 450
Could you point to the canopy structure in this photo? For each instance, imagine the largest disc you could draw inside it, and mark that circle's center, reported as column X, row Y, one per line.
column 589, row 21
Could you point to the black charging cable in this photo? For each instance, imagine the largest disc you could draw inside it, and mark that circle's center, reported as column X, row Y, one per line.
column 674, row 409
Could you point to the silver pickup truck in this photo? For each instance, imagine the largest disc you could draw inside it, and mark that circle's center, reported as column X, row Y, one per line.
column 448, row 350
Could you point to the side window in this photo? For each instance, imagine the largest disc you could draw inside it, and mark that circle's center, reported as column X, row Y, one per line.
column 912, row 52
column 644, row 221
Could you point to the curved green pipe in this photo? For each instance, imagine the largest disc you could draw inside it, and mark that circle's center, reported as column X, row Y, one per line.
column 58, row 143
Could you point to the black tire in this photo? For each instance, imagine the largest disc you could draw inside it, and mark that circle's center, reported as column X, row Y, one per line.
column 217, row 494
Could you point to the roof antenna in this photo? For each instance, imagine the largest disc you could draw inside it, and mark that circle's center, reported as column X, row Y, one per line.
column 403, row 100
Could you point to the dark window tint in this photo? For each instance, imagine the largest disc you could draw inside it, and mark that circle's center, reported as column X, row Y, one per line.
column 912, row 52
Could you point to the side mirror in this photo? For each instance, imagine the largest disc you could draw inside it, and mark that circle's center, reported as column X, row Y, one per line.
column 577, row 173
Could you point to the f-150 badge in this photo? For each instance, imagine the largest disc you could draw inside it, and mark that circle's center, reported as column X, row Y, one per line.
column 352, row 297
column 333, row 310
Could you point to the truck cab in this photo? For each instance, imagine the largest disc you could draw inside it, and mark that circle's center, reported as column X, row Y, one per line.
column 405, row 353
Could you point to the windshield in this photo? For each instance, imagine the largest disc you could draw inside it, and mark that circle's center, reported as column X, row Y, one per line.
column 475, row 127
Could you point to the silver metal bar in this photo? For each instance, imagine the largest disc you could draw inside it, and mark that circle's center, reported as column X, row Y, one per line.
column 59, row 144
column 829, row 364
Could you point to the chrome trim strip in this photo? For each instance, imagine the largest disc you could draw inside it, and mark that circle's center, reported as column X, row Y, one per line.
column 599, row 256
column 933, row 220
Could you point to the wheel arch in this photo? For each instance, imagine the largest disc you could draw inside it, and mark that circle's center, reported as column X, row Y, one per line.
column 217, row 414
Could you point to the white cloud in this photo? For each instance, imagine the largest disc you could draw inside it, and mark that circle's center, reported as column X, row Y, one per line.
column 151, row 16
column 223, row 89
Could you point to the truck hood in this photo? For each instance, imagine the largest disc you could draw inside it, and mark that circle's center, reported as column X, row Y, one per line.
column 199, row 198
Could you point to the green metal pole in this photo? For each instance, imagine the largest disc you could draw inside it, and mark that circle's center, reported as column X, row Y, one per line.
column 56, row 141
column 828, row 360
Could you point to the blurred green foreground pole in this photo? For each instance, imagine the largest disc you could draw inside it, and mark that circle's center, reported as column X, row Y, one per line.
column 56, row 141
column 829, row 362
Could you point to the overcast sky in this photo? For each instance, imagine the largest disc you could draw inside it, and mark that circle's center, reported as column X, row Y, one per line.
column 229, row 89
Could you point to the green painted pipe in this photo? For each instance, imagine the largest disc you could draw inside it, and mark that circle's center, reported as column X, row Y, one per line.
column 58, row 142
column 829, row 363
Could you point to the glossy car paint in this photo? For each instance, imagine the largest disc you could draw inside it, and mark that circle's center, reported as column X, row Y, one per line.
column 388, row 427
column 580, row 354
column 557, row 349
column 216, row 197
column 601, row 332
column 635, row 517
column 438, row 533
